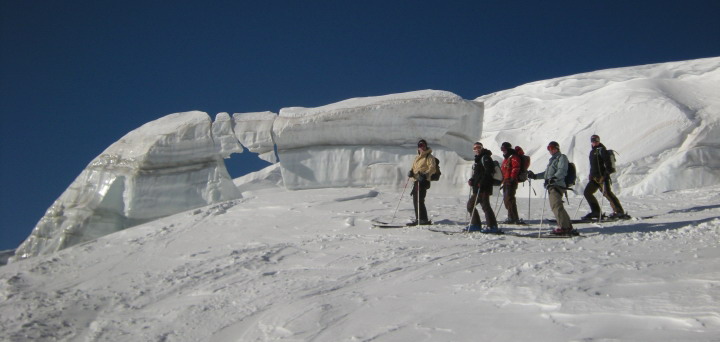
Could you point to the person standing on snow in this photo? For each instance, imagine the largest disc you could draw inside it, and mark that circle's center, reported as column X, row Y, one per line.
column 554, row 176
column 422, row 170
column 482, row 187
column 510, row 171
column 600, row 170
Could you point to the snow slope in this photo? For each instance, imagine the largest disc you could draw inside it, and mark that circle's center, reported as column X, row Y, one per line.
column 306, row 265
column 662, row 119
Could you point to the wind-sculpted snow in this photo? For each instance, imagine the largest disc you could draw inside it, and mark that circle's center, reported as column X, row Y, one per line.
column 662, row 119
column 164, row 167
column 254, row 130
column 371, row 141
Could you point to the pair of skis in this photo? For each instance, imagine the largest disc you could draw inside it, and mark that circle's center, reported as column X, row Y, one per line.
column 548, row 235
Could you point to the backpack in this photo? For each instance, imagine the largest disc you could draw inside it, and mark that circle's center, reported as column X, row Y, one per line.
column 436, row 176
column 571, row 175
column 611, row 167
column 524, row 164
column 497, row 174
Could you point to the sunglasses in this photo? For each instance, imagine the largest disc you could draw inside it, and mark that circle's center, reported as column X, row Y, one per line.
column 422, row 145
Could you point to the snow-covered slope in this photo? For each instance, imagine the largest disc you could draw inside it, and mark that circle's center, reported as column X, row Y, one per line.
column 662, row 119
column 305, row 265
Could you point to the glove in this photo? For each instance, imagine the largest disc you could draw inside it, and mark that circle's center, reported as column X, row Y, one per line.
column 422, row 177
column 410, row 174
column 531, row 175
column 470, row 182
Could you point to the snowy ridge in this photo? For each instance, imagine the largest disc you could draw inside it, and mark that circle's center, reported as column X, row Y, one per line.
column 662, row 119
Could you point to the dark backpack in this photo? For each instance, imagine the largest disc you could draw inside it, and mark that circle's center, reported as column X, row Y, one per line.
column 611, row 157
column 524, row 164
column 436, row 176
column 571, row 175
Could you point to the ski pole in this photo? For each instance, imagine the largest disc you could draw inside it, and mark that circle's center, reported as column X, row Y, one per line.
column 578, row 209
column 602, row 201
column 477, row 195
column 417, row 184
column 529, row 194
column 497, row 201
column 542, row 214
column 400, row 200
column 469, row 197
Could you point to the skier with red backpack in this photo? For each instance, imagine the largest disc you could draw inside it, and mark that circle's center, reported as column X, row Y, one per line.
column 510, row 170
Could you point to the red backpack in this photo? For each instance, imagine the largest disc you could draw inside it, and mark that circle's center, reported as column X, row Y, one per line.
column 524, row 164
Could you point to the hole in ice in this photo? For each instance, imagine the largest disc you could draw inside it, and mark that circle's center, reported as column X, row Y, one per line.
column 240, row 164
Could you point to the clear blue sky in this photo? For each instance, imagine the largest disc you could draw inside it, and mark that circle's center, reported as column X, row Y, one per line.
column 75, row 76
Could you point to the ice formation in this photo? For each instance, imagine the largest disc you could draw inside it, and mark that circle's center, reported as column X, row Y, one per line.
column 663, row 119
column 372, row 141
column 176, row 163
column 166, row 166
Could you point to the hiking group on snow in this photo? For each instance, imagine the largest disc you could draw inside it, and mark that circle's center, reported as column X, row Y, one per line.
column 559, row 176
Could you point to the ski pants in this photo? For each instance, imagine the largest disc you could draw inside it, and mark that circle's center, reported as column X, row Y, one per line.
column 419, row 200
column 555, row 194
column 604, row 187
column 509, row 190
column 482, row 198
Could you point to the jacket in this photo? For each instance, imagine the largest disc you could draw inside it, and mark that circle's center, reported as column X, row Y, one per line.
column 510, row 166
column 482, row 177
column 599, row 162
column 424, row 165
column 555, row 171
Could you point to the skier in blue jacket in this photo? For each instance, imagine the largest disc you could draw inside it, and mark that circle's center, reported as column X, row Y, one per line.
column 554, row 177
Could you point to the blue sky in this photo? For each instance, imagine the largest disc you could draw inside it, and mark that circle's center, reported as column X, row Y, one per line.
column 75, row 76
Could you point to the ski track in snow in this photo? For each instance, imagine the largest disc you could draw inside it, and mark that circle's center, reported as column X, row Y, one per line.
column 306, row 265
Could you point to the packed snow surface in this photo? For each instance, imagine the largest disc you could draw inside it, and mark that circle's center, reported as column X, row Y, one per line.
column 305, row 265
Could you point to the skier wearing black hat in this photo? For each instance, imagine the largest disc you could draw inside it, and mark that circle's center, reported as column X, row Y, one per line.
column 600, row 170
column 482, row 187
column 554, row 176
column 422, row 170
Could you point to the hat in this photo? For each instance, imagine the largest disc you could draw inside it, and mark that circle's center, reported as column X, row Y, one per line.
column 554, row 144
column 422, row 142
column 506, row 146
column 595, row 138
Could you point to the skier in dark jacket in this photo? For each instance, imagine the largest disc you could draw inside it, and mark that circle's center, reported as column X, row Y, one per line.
column 510, row 169
column 600, row 170
column 482, row 187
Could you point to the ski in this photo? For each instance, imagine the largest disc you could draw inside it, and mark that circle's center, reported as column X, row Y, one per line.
column 455, row 232
column 385, row 226
column 548, row 235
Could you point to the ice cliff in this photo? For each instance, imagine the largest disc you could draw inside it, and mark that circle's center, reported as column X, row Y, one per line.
column 176, row 163
column 662, row 119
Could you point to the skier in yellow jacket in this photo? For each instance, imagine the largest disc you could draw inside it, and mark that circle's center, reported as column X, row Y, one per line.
column 422, row 170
